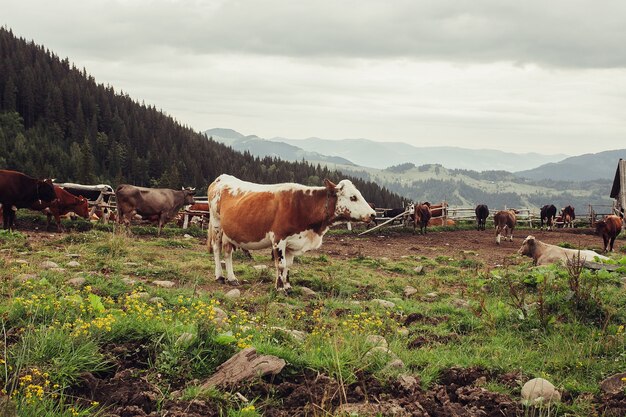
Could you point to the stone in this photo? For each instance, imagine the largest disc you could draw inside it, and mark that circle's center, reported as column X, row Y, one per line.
column 77, row 282
column 21, row 261
column 403, row 331
column 539, row 391
column 297, row 335
column 395, row 364
column 187, row 236
column 376, row 340
column 418, row 269
column 614, row 384
column 185, row 338
column 164, row 284
column 58, row 269
column 72, row 255
column 156, row 300
column 378, row 350
column 383, row 303
column 73, row 264
column 460, row 303
column 49, row 265
column 129, row 281
column 388, row 293
column 131, row 264
column 408, row 382
column 383, row 408
column 233, row 294
column 307, row 292
column 431, row 296
column 26, row 277
column 244, row 366
column 260, row 267
column 221, row 318
column 409, row 291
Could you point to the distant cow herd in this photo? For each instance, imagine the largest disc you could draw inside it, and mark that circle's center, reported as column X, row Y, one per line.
column 288, row 218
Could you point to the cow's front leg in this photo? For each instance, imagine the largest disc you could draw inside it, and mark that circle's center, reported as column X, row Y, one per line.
column 280, row 261
column 228, row 249
column 215, row 241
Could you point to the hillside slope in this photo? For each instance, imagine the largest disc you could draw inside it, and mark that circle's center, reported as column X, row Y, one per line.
column 585, row 167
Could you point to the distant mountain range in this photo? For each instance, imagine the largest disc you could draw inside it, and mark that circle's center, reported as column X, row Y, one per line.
column 460, row 176
column 369, row 153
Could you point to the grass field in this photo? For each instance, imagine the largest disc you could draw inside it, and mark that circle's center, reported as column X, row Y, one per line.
column 112, row 341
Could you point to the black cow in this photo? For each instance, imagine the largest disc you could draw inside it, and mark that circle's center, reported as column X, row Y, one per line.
column 482, row 212
column 18, row 190
column 548, row 214
column 159, row 204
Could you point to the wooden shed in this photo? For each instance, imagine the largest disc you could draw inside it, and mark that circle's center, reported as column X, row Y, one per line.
column 618, row 192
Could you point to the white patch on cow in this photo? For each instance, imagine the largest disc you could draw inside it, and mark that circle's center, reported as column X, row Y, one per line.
column 350, row 202
column 498, row 238
column 236, row 186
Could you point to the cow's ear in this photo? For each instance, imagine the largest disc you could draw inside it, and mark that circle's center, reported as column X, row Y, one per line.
column 329, row 184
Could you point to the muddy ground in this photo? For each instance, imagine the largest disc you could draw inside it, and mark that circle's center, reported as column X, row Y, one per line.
column 456, row 244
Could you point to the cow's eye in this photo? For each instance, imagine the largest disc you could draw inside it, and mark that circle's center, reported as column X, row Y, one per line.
column 353, row 198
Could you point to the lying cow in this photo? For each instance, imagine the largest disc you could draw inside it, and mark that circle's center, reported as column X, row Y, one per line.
column 18, row 190
column 505, row 221
column 544, row 253
column 290, row 218
column 609, row 228
column 63, row 204
column 157, row 204
column 482, row 212
column 548, row 215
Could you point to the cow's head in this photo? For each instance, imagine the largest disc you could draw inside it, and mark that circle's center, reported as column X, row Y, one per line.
column 528, row 246
column 82, row 207
column 189, row 193
column 351, row 205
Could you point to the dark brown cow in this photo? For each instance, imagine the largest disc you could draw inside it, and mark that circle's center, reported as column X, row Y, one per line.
column 504, row 221
column 609, row 228
column 437, row 210
column 18, row 190
column 421, row 217
column 290, row 218
column 482, row 212
column 157, row 204
column 63, row 204
column 568, row 216
column 548, row 215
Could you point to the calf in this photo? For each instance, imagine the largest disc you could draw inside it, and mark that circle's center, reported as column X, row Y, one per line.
column 63, row 204
column 548, row 214
column 544, row 253
column 609, row 228
column 482, row 212
column 504, row 221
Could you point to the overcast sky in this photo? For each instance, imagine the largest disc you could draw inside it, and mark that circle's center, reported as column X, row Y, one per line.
column 542, row 76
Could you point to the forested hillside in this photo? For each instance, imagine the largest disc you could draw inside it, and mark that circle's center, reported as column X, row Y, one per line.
column 55, row 120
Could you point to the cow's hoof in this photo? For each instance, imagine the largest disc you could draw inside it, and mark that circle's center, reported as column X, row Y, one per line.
column 232, row 282
column 221, row 280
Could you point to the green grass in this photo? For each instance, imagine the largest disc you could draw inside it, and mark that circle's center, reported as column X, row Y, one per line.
column 64, row 331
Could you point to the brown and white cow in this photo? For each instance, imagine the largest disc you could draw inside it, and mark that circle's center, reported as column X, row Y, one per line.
column 421, row 217
column 545, row 254
column 290, row 218
column 505, row 221
column 63, row 204
column 156, row 204
column 609, row 228
column 568, row 216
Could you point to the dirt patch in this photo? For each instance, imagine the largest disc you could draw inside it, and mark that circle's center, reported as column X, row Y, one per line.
column 458, row 244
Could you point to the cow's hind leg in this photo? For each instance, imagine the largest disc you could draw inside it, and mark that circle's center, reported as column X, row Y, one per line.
column 612, row 241
column 215, row 240
column 279, row 250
